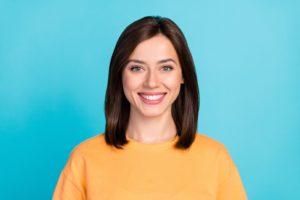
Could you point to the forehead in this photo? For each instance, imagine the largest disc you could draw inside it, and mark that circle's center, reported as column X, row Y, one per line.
column 156, row 48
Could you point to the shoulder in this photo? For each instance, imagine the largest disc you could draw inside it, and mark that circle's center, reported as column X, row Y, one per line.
column 213, row 148
column 95, row 143
column 85, row 152
column 89, row 147
column 205, row 142
column 90, row 143
column 207, row 146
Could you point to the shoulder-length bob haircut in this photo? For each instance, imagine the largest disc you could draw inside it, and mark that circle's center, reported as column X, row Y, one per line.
column 117, row 108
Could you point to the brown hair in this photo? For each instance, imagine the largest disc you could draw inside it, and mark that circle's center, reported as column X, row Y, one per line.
column 117, row 108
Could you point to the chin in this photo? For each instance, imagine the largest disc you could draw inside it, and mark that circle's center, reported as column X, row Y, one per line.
column 152, row 112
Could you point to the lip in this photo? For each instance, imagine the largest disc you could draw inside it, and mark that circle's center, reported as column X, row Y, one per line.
column 152, row 102
column 151, row 93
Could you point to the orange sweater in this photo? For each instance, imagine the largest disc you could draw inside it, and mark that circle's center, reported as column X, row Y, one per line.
column 96, row 171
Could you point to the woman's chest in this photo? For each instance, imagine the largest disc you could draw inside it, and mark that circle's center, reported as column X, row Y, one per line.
column 150, row 177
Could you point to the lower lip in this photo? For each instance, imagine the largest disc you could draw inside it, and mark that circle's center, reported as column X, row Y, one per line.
column 152, row 102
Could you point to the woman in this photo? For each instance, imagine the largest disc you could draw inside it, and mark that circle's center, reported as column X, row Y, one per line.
column 150, row 149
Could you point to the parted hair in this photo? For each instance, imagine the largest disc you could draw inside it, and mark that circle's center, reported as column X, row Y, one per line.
column 117, row 108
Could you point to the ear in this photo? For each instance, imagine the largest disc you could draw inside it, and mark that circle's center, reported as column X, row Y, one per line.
column 182, row 80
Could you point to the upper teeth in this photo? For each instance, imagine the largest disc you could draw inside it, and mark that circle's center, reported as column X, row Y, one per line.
column 152, row 97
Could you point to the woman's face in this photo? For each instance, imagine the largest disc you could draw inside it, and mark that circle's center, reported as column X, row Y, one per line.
column 152, row 78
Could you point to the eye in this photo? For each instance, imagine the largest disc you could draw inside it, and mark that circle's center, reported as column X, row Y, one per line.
column 167, row 68
column 135, row 68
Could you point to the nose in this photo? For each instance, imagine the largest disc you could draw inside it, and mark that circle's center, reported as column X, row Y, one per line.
column 151, row 80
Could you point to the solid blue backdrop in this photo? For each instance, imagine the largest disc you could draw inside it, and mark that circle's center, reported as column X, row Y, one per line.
column 54, row 58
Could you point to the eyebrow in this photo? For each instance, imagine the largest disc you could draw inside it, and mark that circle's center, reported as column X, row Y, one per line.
column 159, row 62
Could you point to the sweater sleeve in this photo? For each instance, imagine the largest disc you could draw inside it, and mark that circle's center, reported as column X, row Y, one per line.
column 230, row 184
column 70, row 185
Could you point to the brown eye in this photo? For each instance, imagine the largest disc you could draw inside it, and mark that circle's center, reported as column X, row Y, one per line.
column 167, row 68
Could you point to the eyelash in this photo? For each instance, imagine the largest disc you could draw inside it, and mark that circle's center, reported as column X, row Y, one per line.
column 137, row 67
column 169, row 67
column 134, row 67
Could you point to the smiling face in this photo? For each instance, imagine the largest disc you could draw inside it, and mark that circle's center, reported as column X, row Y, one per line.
column 152, row 78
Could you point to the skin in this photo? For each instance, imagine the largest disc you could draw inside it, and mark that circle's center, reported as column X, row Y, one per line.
column 153, row 67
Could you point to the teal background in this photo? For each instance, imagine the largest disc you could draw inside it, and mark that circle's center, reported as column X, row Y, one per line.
column 54, row 58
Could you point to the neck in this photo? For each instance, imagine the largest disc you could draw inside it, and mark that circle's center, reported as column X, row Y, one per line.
column 151, row 129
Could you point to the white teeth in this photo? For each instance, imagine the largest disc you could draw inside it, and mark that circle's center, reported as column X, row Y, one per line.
column 152, row 97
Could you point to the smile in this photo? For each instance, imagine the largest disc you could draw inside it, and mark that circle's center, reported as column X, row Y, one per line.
column 152, row 98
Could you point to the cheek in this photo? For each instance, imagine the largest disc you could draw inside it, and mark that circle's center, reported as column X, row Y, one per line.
column 173, row 82
column 126, row 87
column 129, row 83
